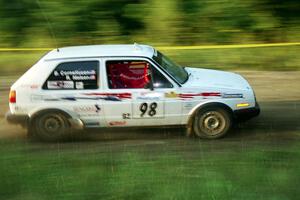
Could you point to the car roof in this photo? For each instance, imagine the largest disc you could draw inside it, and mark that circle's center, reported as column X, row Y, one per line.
column 101, row 51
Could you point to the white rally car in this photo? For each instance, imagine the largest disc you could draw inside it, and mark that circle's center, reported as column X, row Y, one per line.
column 79, row 87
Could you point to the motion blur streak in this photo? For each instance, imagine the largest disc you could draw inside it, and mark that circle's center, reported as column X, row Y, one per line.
column 232, row 46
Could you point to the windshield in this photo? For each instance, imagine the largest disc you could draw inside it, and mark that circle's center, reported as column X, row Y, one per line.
column 172, row 68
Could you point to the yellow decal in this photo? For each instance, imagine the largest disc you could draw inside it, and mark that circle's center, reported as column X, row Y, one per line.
column 242, row 105
column 171, row 95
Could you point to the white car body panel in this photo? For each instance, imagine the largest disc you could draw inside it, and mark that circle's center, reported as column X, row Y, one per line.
column 106, row 107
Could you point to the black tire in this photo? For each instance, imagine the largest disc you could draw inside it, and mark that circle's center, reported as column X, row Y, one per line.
column 50, row 126
column 212, row 122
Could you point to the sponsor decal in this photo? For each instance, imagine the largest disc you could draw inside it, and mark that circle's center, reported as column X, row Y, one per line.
column 79, row 85
column 98, row 109
column 60, row 84
column 126, row 115
column 232, row 96
column 84, row 78
column 76, row 75
column 171, row 95
column 151, row 96
column 75, row 72
column 117, row 123
column 87, row 109
column 148, row 98
column 43, row 98
column 33, row 86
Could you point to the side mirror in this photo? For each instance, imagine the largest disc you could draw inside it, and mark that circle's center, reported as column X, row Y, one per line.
column 149, row 86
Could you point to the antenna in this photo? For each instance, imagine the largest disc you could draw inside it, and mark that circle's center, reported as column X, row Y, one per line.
column 137, row 47
column 49, row 24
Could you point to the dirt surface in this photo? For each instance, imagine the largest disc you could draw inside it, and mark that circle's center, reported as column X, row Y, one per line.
column 256, row 160
column 277, row 93
column 274, row 86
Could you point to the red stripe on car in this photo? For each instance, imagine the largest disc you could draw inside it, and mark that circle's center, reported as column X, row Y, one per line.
column 204, row 94
column 119, row 95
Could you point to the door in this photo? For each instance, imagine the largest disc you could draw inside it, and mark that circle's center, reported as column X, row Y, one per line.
column 142, row 89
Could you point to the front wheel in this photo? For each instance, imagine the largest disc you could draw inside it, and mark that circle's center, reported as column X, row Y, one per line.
column 212, row 123
column 50, row 126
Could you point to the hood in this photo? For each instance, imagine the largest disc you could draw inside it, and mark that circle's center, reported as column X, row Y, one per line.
column 215, row 78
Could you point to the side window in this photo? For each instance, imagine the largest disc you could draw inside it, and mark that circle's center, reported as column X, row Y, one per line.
column 74, row 76
column 134, row 75
column 127, row 74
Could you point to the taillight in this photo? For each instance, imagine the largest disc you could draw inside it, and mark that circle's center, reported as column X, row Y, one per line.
column 12, row 96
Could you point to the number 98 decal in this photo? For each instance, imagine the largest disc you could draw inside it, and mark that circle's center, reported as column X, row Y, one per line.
column 149, row 109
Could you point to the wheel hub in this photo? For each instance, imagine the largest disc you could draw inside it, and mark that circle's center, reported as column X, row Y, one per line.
column 52, row 124
column 212, row 123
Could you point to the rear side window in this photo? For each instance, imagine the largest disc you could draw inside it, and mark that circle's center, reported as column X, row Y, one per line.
column 74, row 76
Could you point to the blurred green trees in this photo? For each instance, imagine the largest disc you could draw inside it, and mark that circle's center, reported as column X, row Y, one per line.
column 40, row 23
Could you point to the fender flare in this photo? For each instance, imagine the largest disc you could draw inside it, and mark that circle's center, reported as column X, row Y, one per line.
column 194, row 111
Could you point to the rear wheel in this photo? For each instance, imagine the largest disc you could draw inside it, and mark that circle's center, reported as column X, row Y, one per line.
column 212, row 123
column 51, row 126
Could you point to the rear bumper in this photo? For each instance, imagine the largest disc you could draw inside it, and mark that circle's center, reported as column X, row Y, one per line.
column 16, row 119
column 246, row 114
column 24, row 120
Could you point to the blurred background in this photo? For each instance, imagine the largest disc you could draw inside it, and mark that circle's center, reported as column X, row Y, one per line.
column 56, row 23
column 26, row 23
column 258, row 160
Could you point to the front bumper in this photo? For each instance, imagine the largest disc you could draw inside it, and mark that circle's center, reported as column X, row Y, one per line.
column 16, row 119
column 246, row 114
